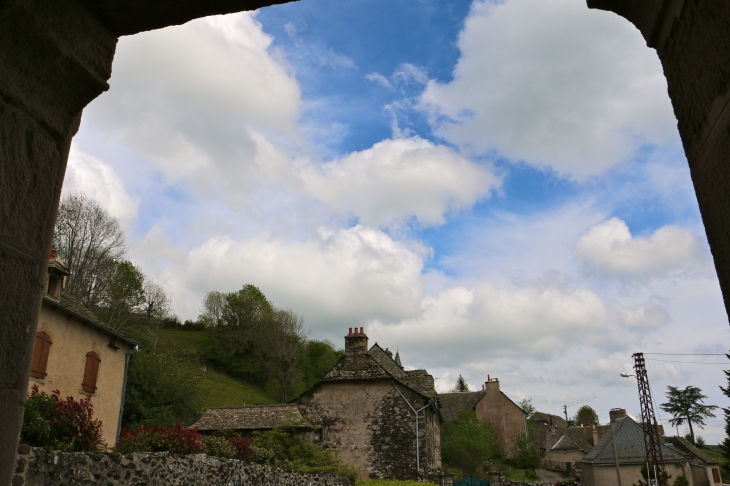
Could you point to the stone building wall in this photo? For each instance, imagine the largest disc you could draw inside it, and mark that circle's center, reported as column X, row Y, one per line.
column 502, row 412
column 372, row 428
column 37, row 467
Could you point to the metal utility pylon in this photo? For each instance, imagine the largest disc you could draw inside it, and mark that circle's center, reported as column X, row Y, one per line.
column 655, row 461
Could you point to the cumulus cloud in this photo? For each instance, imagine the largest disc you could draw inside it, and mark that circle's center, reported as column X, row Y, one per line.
column 554, row 84
column 398, row 179
column 200, row 100
column 610, row 250
column 100, row 181
column 337, row 277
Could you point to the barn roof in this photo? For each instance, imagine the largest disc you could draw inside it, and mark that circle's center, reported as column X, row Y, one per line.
column 256, row 417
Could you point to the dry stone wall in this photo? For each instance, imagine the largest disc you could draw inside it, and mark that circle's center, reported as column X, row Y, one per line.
column 38, row 467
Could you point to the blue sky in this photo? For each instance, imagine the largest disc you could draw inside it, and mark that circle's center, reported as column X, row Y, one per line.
column 491, row 187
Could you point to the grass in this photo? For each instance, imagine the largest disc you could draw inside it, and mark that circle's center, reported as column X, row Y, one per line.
column 221, row 390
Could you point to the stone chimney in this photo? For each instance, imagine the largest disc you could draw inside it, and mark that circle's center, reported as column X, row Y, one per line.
column 595, row 436
column 616, row 413
column 389, row 353
column 356, row 342
column 491, row 386
column 57, row 273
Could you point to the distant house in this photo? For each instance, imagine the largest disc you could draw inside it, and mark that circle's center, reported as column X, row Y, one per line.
column 77, row 354
column 564, row 456
column 489, row 403
column 705, row 470
column 363, row 408
column 599, row 464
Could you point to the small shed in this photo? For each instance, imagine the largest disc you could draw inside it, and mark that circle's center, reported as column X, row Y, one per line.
column 251, row 418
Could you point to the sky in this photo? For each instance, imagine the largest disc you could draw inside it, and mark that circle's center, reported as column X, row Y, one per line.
column 489, row 187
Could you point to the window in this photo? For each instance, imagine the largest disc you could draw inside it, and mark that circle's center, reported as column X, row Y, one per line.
column 91, row 372
column 41, row 349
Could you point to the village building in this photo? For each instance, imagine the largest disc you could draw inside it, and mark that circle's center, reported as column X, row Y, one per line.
column 564, row 456
column 704, row 469
column 490, row 404
column 377, row 416
column 599, row 465
column 78, row 355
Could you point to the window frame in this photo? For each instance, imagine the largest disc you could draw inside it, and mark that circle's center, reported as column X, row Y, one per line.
column 91, row 373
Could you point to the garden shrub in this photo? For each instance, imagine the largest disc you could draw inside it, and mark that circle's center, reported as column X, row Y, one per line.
column 244, row 451
column 64, row 424
column 156, row 438
column 219, row 447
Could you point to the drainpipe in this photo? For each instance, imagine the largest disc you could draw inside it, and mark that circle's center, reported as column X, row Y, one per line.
column 416, row 412
column 124, row 391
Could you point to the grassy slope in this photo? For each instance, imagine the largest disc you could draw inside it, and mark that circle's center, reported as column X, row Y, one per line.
column 221, row 389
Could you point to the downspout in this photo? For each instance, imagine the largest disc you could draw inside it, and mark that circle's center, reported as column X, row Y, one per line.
column 124, row 391
column 416, row 412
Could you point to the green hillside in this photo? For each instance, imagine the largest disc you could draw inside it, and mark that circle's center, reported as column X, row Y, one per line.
column 221, row 389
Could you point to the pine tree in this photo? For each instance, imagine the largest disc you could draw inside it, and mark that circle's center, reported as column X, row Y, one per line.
column 725, row 445
column 461, row 385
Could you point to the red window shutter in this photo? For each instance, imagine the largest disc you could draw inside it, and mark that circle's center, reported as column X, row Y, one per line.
column 91, row 372
column 716, row 474
column 41, row 348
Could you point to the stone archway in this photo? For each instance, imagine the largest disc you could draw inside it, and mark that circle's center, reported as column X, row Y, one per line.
column 56, row 57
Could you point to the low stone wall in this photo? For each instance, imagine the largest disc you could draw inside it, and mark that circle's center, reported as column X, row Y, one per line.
column 38, row 467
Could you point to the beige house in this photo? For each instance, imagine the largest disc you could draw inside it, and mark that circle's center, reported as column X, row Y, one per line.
column 705, row 470
column 78, row 355
column 564, row 456
column 491, row 404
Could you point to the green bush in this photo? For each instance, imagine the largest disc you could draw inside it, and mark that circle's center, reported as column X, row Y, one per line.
column 218, row 447
column 286, row 447
column 63, row 424
column 524, row 455
column 469, row 442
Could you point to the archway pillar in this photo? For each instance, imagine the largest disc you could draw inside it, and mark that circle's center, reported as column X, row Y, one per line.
column 692, row 40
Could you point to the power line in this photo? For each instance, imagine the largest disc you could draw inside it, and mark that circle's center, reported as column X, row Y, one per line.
column 688, row 362
column 689, row 354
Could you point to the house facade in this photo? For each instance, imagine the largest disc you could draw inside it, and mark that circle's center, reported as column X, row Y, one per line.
column 76, row 354
column 704, row 469
column 489, row 403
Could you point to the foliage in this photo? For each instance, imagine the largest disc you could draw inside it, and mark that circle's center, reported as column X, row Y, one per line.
column 162, row 388
column 171, row 438
column 64, row 424
column 586, row 415
column 461, row 385
column 524, row 455
column 288, row 448
column 469, row 442
column 645, row 474
column 528, row 407
column 725, row 445
column 218, row 447
column 244, row 452
column 681, row 481
column 686, row 406
column 383, row 482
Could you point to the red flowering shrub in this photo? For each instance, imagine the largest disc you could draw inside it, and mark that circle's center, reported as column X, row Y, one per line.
column 156, row 438
column 243, row 449
column 56, row 423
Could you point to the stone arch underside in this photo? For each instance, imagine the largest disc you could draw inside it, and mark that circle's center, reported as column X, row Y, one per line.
column 56, row 57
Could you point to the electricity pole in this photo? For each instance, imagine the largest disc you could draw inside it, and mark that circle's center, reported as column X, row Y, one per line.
column 654, row 458
column 565, row 411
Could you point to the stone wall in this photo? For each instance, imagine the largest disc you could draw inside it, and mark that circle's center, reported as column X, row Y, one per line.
column 38, row 467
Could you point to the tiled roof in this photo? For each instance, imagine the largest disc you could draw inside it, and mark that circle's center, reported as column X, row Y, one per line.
column 422, row 382
column 258, row 417
column 685, row 447
column 453, row 403
column 566, row 444
column 548, row 418
column 629, row 444
column 71, row 305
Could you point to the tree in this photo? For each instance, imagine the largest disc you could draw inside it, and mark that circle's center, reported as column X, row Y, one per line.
column 89, row 240
column 211, row 310
column 524, row 455
column 686, row 406
column 528, row 407
column 586, row 415
column 469, row 442
column 725, row 445
column 461, row 385
column 123, row 299
column 286, row 347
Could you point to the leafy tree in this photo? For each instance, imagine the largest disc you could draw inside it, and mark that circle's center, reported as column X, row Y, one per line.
column 586, row 415
column 124, row 297
column 162, row 388
column 469, row 442
column 528, row 407
column 90, row 241
column 686, row 406
column 524, row 455
column 287, row 344
column 318, row 358
column 461, row 385
column 211, row 310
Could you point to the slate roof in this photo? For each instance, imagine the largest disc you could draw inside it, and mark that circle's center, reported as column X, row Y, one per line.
column 629, row 444
column 258, row 417
column 453, row 403
column 70, row 305
column 548, row 418
column 566, row 444
column 686, row 448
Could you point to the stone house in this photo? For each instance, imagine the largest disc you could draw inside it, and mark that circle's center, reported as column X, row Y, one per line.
column 79, row 355
column 491, row 404
column 363, row 408
column 564, row 456
column 704, row 469
column 599, row 464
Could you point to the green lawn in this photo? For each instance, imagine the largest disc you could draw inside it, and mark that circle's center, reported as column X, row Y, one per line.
column 221, row 390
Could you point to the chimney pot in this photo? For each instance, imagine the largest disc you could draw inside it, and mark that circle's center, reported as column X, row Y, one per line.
column 350, row 331
column 53, row 254
column 489, row 378
column 361, row 331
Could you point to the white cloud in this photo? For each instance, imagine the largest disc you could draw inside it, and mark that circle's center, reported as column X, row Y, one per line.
column 339, row 277
column 397, row 179
column 554, row 84
column 610, row 250
column 99, row 180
